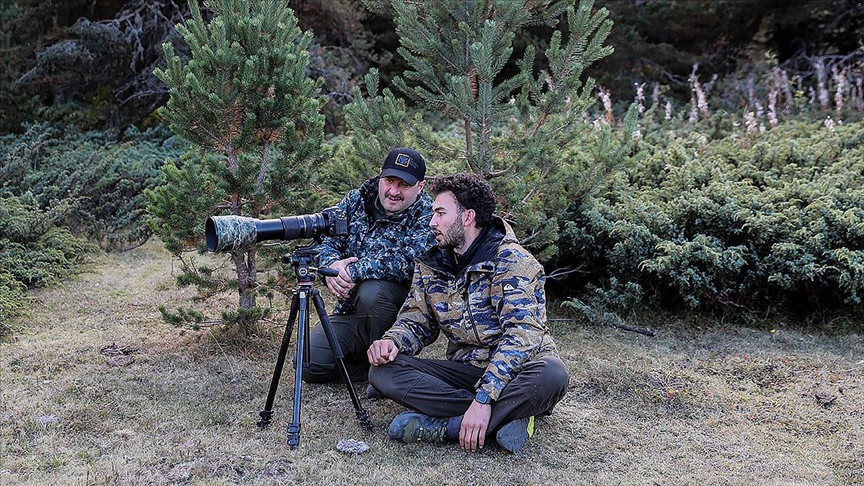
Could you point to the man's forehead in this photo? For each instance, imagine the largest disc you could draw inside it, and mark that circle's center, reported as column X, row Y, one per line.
column 444, row 200
column 398, row 179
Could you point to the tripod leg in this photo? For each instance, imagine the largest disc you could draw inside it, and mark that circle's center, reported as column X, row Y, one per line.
column 362, row 415
column 301, row 358
column 267, row 413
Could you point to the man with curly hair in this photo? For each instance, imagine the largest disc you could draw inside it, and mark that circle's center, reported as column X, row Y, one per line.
column 485, row 293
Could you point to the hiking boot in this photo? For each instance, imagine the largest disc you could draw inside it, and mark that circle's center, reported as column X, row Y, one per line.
column 372, row 393
column 513, row 435
column 411, row 427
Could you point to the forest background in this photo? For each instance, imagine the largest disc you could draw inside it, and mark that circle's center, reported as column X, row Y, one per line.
column 714, row 178
column 767, row 97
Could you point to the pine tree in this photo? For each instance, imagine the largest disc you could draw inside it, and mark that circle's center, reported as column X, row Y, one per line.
column 515, row 127
column 246, row 103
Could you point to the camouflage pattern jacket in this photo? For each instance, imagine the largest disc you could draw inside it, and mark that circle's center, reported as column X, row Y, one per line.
column 493, row 311
column 386, row 246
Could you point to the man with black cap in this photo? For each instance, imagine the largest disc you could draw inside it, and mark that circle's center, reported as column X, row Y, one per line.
column 388, row 225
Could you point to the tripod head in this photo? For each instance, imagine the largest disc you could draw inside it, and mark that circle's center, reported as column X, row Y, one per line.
column 303, row 260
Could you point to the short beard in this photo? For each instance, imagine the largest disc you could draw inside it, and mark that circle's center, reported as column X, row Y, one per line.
column 453, row 238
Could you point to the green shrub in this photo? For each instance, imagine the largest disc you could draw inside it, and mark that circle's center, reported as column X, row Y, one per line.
column 33, row 248
column 60, row 191
column 34, row 252
column 13, row 300
column 765, row 221
column 102, row 181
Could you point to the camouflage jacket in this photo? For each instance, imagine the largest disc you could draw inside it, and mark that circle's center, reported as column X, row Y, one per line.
column 385, row 247
column 493, row 311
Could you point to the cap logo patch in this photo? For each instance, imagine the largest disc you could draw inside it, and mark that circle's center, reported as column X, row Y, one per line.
column 403, row 160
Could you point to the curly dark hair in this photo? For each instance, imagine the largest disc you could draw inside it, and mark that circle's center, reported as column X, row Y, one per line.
column 471, row 192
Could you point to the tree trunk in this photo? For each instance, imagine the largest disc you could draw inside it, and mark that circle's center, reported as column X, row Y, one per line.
column 244, row 262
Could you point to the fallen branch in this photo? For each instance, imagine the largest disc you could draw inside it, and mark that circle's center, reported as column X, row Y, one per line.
column 641, row 330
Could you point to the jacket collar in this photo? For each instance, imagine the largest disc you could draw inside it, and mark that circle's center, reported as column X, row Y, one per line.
column 483, row 249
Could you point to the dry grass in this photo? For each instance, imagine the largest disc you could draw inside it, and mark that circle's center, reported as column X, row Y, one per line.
column 705, row 404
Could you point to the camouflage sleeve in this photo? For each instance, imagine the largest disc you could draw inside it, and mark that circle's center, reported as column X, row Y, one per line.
column 333, row 248
column 415, row 327
column 520, row 300
column 398, row 261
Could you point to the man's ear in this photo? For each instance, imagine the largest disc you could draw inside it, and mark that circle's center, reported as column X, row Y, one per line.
column 469, row 216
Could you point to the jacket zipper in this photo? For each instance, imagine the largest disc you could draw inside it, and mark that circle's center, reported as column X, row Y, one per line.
column 470, row 313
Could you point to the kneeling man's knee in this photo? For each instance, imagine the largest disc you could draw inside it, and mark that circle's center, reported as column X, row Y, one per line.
column 556, row 372
column 383, row 379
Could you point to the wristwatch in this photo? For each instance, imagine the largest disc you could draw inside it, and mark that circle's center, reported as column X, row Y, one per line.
column 483, row 397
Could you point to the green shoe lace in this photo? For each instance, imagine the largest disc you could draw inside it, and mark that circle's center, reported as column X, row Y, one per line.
column 434, row 434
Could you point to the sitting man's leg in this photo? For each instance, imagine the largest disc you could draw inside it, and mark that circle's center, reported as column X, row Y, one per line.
column 534, row 391
column 323, row 367
column 435, row 387
column 540, row 385
column 377, row 304
column 442, row 391
column 439, row 390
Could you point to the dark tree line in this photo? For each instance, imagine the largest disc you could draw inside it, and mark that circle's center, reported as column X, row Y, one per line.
column 660, row 41
column 90, row 63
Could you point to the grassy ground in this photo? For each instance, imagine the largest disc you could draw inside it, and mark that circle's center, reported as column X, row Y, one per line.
column 706, row 404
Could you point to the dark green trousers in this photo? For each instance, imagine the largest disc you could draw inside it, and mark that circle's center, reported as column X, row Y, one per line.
column 377, row 304
column 443, row 388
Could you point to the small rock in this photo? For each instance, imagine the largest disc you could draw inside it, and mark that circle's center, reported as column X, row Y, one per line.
column 352, row 446
column 825, row 397
column 120, row 360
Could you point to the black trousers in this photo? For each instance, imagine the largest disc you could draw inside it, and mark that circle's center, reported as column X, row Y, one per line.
column 377, row 304
column 443, row 388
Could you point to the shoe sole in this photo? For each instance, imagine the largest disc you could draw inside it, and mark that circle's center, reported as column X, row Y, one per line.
column 513, row 435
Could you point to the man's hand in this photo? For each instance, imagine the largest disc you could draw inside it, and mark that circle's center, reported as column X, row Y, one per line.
column 472, row 435
column 382, row 352
column 341, row 285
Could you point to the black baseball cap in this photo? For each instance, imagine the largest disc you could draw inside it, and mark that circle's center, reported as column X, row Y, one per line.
column 406, row 164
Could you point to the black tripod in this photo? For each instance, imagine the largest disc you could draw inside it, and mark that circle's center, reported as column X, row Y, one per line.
column 301, row 260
